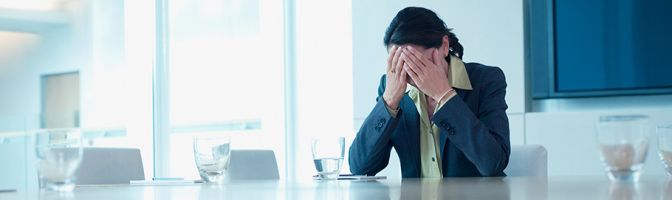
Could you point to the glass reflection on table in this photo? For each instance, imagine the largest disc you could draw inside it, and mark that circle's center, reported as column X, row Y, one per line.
column 624, row 191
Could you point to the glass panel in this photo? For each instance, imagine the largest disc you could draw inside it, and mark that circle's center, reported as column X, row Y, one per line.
column 324, row 90
column 226, row 77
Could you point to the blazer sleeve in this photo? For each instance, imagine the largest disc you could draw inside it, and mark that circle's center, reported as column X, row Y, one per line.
column 370, row 150
column 484, row 136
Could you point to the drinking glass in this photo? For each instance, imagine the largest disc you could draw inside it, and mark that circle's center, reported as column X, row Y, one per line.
column 623, row 144
column 59, row 155
column 212, row 157
column 328, row 156
column 665, row 147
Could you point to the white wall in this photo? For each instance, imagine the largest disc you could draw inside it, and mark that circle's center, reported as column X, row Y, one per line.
column 22, row 82
column 58, row 49
column 93, row 43
column 566, row 127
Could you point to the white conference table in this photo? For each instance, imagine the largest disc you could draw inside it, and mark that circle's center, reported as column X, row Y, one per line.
column 579, row 187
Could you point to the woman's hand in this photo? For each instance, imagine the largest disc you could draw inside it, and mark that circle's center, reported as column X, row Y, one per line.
column 429, row 76
column 395, row 85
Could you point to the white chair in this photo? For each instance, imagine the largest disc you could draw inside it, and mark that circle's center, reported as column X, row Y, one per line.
column 393, row 169
column 527, row 160
column 253, row 165
column 109, row 166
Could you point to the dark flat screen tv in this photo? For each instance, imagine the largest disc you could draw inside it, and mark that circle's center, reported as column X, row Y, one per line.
column 578, row 48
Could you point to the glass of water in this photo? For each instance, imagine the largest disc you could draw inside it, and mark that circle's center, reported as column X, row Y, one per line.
column 212, row 157
column 623, row 143
column 328, row 156
column 665, row 147
column 59, row 154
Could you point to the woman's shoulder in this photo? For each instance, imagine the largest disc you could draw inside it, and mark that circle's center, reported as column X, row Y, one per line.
column 483, row 73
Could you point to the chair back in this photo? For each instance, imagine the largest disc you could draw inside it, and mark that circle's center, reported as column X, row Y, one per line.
column 253, row 165
column 527, row 160
column 109, row 166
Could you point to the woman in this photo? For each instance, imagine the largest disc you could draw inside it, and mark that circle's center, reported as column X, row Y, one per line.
column 445, row 118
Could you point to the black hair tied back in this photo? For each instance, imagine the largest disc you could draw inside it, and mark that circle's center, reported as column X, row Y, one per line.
column 421, row 26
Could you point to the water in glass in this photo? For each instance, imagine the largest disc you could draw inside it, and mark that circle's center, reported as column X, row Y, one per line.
column 328, row 156
column 623, row 144
column 211, row 155
column 665, row 147
column 59, row 155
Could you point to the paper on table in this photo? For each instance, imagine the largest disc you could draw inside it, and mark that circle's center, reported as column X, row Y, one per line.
column 165, row 182
column 359, row 177
column 355, row 177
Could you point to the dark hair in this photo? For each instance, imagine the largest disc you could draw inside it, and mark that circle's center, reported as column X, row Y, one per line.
column 421, row 26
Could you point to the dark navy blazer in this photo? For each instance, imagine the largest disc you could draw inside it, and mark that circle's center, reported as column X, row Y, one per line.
column 474, row 131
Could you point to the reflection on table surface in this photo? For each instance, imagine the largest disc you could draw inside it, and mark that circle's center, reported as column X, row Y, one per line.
column 579, row 187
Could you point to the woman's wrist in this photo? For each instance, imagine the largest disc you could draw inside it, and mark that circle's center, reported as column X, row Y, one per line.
column 389, row 102
column 445, row 94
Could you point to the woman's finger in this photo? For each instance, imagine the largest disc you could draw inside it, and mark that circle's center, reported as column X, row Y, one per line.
column 411, row 73
column 399, row 67
column 437, row 57
column 413, row 56
column 412, row 64
column 400, row 62
column 402, row 76
column 390, row 57
column 413, row 59
column 395, row 58
column 421, row 59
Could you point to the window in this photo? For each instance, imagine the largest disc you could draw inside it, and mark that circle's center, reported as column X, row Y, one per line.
column 226, row 77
